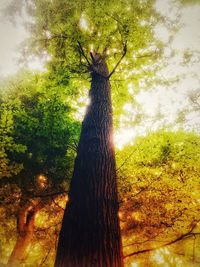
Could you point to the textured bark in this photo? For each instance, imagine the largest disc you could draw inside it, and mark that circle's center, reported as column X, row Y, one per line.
column 25, row 229
column 90, row 234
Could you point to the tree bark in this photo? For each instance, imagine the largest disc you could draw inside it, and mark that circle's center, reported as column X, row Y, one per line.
column 90, row 233
column 25, row 229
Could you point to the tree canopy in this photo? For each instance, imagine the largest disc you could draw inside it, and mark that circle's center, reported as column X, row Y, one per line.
column 65, row 32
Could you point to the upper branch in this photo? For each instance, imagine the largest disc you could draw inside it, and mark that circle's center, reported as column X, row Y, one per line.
column 83, row 53
column 123, row 55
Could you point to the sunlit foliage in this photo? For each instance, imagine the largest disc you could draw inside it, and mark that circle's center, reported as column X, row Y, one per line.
column 39, row 138
column 159, row 178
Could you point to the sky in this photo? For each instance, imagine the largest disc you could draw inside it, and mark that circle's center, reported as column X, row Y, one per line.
column 12, row 36
column 168, row 101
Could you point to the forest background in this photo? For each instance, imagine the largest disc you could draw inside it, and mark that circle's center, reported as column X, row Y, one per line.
column 156, row 108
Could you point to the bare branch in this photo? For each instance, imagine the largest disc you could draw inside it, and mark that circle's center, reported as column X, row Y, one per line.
column 45, row 258
column 73, row 147
column 47, row 228
column 50, row 194
column 125, row 161
column 114, row 18
column 83, row 53
column 123, row 55
column 57, row 205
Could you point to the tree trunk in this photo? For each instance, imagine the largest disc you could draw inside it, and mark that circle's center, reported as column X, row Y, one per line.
column 25, row 229
column 90, row 233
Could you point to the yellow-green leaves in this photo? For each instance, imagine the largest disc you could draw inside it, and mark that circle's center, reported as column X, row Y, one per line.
column 8, row 146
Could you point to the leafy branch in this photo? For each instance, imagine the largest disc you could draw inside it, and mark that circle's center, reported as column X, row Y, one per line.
column 189, row 234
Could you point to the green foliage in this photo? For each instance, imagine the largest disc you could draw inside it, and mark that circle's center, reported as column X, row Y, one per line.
column 42, row 122
column 38, row 144
column 159, row 194
column 159, row 188
column 57, row 26
column 60, row 24
column 172, row 156
column 8, row 145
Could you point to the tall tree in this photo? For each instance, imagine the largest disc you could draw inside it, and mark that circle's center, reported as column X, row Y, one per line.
column 90, row 235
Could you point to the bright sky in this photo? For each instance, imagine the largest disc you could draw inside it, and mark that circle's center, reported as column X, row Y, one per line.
column 11, row 37
column 167, row 100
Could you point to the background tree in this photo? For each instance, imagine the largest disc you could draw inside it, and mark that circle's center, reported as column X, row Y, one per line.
column 8, row 146
column 42, row 123
column 157, row 175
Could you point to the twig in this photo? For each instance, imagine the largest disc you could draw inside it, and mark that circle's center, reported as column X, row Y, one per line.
column 47, row 228
column 123, row 55
column 186, row 235
column 57, row 205
column 83, row 53
column 73, row 147
column 51, row 194
column 129, row 156
column 45, row 258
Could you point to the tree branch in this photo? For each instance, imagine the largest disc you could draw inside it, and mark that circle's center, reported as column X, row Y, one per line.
column 57, row 205
column 47, row 228
column 45, row 258
column 123, row 55
column 186, row 235
column 126, row 160
column 50, row 194
column 83, row 53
